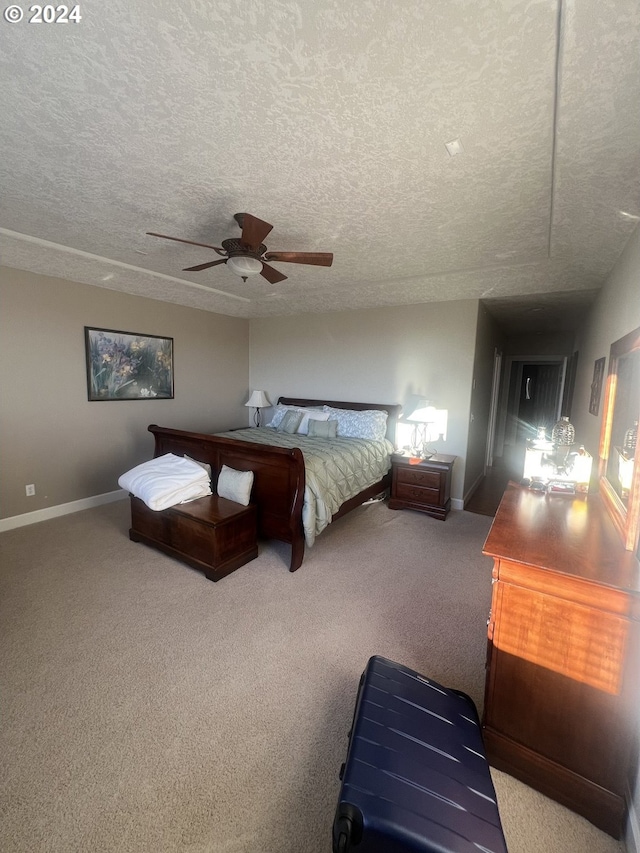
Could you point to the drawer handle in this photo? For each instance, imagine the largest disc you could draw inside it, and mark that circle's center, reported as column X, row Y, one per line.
column 425, row 482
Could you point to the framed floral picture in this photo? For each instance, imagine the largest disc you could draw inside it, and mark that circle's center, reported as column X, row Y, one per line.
column 128, row 366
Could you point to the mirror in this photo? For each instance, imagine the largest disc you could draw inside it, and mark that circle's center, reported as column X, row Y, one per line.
column 619, row 450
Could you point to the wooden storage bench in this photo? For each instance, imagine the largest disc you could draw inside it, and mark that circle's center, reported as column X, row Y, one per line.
column 211, row 534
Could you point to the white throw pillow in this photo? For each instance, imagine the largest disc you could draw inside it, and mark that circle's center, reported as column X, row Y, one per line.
column 311, row 415
column 235, row 485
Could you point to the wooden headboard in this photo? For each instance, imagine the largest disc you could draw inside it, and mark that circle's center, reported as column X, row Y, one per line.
column 393, row 410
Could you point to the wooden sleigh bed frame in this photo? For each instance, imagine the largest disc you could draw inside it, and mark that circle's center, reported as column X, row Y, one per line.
column 279, row 476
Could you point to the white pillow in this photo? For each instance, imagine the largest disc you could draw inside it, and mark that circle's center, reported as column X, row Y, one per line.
column 309, row 415
column 235, row 485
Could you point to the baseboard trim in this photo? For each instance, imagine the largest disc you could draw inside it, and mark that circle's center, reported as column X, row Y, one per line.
column 61, row 509
column 472, row 488
column 632, row 830
column 457, row 503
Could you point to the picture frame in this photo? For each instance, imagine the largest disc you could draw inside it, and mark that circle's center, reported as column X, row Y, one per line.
column 596, row 385
column 128, row 365
column 619, row 484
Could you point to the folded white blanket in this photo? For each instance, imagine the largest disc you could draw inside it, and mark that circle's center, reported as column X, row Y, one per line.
column 166, row 481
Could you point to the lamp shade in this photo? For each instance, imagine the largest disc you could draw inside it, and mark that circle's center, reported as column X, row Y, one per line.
column 258, row 400
column 420, row 410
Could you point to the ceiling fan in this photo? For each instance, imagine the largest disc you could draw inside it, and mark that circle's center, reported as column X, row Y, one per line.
column 248, row 255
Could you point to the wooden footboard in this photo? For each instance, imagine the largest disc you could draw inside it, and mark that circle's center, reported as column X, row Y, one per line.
column 279, row 478
column 278, row 485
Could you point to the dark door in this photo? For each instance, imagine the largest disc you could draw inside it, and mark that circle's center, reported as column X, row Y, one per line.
column 539, row 396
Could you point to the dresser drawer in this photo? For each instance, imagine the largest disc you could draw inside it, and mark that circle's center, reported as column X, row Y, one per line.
column 418, row 477
column 407, row 492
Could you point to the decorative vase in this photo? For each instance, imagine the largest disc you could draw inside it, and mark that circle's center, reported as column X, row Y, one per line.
column 563, row 433
column 630, row 440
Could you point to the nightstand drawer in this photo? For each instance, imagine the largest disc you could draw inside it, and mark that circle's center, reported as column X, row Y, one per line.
column 418, row 477
column 407, row 492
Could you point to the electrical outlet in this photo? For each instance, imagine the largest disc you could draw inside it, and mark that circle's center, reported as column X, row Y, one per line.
column 30, row 490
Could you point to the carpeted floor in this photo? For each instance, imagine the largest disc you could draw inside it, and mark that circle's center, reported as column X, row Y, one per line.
column 486, row 498
column 146, row 709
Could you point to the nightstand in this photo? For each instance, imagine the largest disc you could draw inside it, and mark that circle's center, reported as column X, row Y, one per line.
column 424, row 486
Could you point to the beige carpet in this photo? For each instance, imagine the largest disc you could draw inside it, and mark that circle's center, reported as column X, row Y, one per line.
column 146, row 709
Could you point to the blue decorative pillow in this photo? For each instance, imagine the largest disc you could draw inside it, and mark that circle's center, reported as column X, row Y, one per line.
column 281, row 410
column 370, row 423
column 278, row 414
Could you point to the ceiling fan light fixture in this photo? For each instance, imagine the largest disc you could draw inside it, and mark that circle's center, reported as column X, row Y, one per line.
column 244, row 266
column 247, row 255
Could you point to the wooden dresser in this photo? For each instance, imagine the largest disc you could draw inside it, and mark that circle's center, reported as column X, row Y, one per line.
column 561, row 692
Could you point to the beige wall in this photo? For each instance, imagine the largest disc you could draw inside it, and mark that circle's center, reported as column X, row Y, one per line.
column 615, row 313
column 50, row 435
column 554, row 344
column 375, row 355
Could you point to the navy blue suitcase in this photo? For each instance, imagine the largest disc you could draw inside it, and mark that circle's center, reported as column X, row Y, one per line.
column 416, row 778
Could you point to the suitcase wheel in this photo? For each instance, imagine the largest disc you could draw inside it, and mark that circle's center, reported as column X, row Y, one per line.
column 347, row 828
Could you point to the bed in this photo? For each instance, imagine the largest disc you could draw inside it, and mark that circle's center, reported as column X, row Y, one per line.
column 280, row 487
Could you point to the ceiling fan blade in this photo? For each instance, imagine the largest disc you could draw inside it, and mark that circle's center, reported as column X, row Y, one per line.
column 254, row 230
column 271, row 274
column 189, row 242
column 318, row 259
column 204, row 266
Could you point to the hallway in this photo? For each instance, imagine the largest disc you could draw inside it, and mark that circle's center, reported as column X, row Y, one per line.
column 486, row 498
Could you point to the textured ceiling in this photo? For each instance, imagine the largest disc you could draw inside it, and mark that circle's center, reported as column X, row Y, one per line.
column 329, row 120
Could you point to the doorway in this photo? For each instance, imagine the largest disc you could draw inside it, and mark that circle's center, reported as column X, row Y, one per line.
column 539, row 399
column 533, row 392
column 533, row 398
